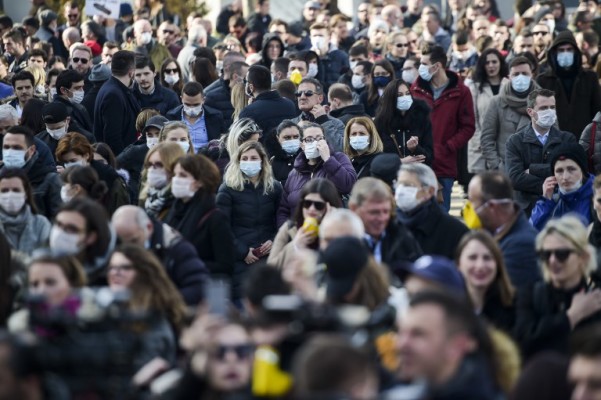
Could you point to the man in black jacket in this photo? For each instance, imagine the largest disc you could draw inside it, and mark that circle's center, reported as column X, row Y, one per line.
column 177, row 255
column 390, row 242
column 58, row 122
column 218, row 93
column 70, row 92
column 340, row 98
column 149, row 92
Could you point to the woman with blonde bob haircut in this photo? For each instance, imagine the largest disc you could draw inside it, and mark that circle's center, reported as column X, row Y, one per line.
column 568, row 298
column 362, row 144
column 179, row 133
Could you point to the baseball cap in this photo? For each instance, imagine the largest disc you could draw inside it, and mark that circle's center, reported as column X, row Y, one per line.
column 157, row 121
column 344, row 258
column 53, row 113
column 440, row 270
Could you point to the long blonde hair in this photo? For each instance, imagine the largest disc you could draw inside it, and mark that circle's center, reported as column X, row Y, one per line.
column 239, row 99
column 235, row 179
column 171, row 126
column 375, row 143
column 170, row 152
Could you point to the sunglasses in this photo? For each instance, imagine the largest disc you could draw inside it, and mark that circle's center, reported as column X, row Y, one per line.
column 82, row 60
column 401, row 45
column 560, row 254
column 540, row 33
column 319, row 205
column 307, row 93
column 242, row 351
column 168, row 31
column 171, row 71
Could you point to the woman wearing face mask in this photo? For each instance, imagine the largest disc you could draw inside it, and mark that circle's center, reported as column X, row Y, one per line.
column 568, row 190
column 194, row 215
column 81, row 229
column 23, row 227
column 284, row 147
column 171, row 75
column 155, row 195
column 81, row 181
column 404, row 124
column 249, row 197
column 177, row 132
column 361, row 144
column 381, row 75
column 74, row 149
column 488, row 76
column 397, row 50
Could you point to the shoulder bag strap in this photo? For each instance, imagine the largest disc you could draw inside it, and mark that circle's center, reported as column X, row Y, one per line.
column 591, row 147
column 396, row 144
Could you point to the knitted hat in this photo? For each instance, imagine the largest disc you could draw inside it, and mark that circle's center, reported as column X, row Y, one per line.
column 571, row 151
column 344, row 258
column 46, row 17
column 100, row 73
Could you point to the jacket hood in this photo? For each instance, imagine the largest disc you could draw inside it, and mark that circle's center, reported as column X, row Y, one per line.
column 564, row 37
column 270, row 37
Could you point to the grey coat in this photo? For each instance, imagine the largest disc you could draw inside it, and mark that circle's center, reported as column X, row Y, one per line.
column 333, row 130
column 585, row 142
column 26, row 231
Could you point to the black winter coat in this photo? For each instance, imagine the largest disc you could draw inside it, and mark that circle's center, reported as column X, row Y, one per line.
column 331, row 66
column 117, row 194
column 89, row 100
column 498, row 314
column 281, row 162
column 46, row 185
column 45, row 137
column 78, row 113
column 345, row 114
column 399, row 247
column 218, row 96
column 362, row 164
column 269, row 109
column 162, row 99
column 132, row 160
column 207, row 228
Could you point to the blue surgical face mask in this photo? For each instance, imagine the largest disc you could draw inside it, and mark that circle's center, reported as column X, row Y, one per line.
column 359, row 143
column 424, row 72
column 381, row 81
column 291, row 146
column 520, row 83
column 565, row 59
column 403, row 103
column 250, row 168
column 13, row 158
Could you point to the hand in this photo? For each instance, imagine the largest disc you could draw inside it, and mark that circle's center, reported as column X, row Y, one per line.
column 60, row 169
column 250, row 257
column 412, row 143
column 527, row 171
column 303, row 239
column 413, row 159
column 318, row 110
column 549, row 187
column 202, row 333
column 583, row 306
column 265, row 247
column 324, row 150
column 149, row 371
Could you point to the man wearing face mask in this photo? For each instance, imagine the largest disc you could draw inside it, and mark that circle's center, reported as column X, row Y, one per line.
column 332, row 62
column 340, row 98
column 507, row 113
column 116, row 107
column 149, row 92
column 145, row 44
column 577, row 91
column 70, row 92
column 19, row 151
column 58, row 122
column 528, row 150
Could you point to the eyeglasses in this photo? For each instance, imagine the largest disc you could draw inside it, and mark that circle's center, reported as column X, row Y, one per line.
column 307, row 93
column 540, row 33
column 82, row 60
column 401, row 45
column 560, row 254
column 319, row 205
column 168, row 31
column 170, row 70
column 313, row 139
column 242, row 351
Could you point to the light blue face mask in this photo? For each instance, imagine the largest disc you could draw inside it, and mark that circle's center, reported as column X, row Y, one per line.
column 75, row 163
column 565, row 59
column 291, row 146
column 403, row 103
column 250, row 168
column 520, row 83
column 13, row 158
column 359, row 143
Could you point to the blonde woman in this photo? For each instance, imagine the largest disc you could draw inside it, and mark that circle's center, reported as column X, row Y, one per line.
column 239, row 99
column 39, row 75
column 155, row 196
column 568, row 298
column 361, row 144
column 397, row 50
column 177, row 132
column 250, row 197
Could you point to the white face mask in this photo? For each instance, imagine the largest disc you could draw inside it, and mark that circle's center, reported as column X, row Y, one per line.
column 193, row 112
column 403, row 103
column 77, row 97
column 63, row 242
column 12, row 202
column 185, row 146
column 151, row 142
column 546, row 118
column 40, row 90
column 80, row 163
column 146, row 37
column 359, row 143
column 409, row 75
column 311, row 150
column 181, row 187
column 424, row 72
column 313, row 69
column 291, row 146
column 353, row 64
column 405, row 197
column 318, row 42
column 520, row 83
column 57, row 134
column 52, row 93
column 172, row 79
column 250, row 168
column 156, row 178
column 551, row 24
column 357, row 82
column 65, row 196
column 13, row 158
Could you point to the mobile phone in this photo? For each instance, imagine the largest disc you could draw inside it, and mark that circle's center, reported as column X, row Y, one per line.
column 217, row 293
column 257, row 252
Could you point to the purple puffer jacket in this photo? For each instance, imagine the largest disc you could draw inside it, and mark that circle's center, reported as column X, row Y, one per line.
column 338, row 169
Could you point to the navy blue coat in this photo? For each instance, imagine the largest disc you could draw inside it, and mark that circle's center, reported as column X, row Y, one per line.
column 218, row 96
column 331, row 66
column 162, row 99
column 268, row 110
column 115, row 114
column 78, row 113
column 213, row 120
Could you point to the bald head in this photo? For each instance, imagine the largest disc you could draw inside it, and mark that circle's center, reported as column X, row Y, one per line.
column 132, row 225
column 71, row 36
column 338, row 223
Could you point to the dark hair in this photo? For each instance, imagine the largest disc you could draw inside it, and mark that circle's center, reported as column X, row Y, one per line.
column 31, row 21
column 263, row 281
column 314, row 82
column 367, row 66
column 54, row 60
column 87, row 178
column 192, row 89
column 372, row 91
column 461, row 37
column 495, row 186
column 7, row 173
column 123, row 61
column 143, row 62
column 340, row 91
column 106, row 152
column 6, row 21
column 206, row 52
column 32, row 115
column 286, row 89
column 520, row 60
column 358, row 49
column 587, row 342
column 278, row 21
column 110, row 45
column 436, row 53
column 236, row 21
column 253, row 42
column 203, row 170
column 236, row 67
column 480, row 75
column 177, row 88
column 534, row 94
column 66, row 79
column 38, row 53
column 22, row 76
column 280, row 64
column 25, row 131
column 323, row 187
column 203, row 71
column 288, row 123
column 16, row 34
column 386, row 111
column 260, row 77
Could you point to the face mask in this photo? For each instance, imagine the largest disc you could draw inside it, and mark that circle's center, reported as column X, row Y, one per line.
column 295, row 77
column 357, row 82
column 312, row 73
column 193, row 112
column 574, row 188
column 353, row 64
column 156, row 178
column 520, row 83
column 318, row 42
column 218, row 66
column 146, row 37
column 359, row 143
column 403, row 103
column 405, row 197
column 565, row 59
column 40, row 89
column 172, row 79
column 291, row 146
column 77, row 97
column 57, row 134
column 63, row 242
column 546, row 118
column 13, row 158
column 52, row 93
column 80, row 163
column 409, row 75
column 250, row 168
column 65, row 196
column 424, row 72
column 12, row 202
column 185, row 146
column 273, row 79
column 311, row 150
column 381, row 81
column 471, row 217
column 180, row 187
column 551, row 24
column 151, row 142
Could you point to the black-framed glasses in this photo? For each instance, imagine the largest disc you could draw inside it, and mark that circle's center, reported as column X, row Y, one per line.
column 560, row 254
column 78, row 59
column 242, row 351
column 307, row 93
column 401, row 45
column 313, row 139
column 319, row 205
column 170, row 70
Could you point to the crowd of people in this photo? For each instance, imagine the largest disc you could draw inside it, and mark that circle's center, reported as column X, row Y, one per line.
column 254, row 208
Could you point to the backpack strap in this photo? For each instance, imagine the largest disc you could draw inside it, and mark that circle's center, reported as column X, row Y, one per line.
column 206, row 217
column 591, row 147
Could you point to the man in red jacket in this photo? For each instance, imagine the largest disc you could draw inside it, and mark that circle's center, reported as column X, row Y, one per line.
column 452, row 114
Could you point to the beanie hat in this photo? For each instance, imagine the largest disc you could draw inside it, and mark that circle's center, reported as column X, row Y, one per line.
column 571, row 151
